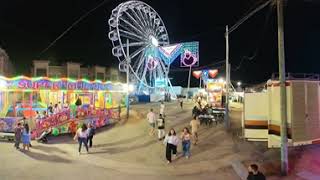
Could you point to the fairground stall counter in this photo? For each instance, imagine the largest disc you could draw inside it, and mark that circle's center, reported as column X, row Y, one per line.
column 62, row 104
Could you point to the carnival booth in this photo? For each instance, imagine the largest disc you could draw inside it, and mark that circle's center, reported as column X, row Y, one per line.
column 61, row 104
column 215, row 92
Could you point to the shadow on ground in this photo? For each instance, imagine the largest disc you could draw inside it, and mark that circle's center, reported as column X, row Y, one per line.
column 47, row 158
column 124, row 149
column 124, row 141
column 49, row 149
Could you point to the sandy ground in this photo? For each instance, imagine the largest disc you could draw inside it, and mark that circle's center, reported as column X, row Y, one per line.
column 126, row 150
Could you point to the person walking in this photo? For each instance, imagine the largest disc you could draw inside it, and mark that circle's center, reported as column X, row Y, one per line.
column 171, row 141
column 152, row 120
column 181, row 103
column 161, row 125
column 91, row 133
column 186, row 142
column 195, row 124
column 162, row 107
column 254, row 173
column 26, row 137
column 119, row 111
column 17, row 134
column 82, row 136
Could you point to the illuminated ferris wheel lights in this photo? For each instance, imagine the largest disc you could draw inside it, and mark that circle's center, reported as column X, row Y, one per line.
column 154, row 41
column 135, row 31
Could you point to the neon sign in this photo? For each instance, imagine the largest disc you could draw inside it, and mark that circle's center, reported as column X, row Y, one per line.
column 44, row 83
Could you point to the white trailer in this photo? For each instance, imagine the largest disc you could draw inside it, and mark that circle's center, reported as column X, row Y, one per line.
column 262, row 113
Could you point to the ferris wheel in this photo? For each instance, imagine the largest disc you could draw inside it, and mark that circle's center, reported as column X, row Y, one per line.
column 136, row 30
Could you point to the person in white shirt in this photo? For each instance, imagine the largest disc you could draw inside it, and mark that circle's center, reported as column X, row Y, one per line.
column 160, row 125
column 151, row 116
column 171, row 141
column 65, row 106
column 162, row 106
column 81, row 136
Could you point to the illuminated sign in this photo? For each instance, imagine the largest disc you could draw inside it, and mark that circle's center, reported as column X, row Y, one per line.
column 43, row 83
column 160, row 83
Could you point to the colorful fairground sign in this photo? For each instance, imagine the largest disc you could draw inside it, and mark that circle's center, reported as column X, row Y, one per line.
column 44, row 83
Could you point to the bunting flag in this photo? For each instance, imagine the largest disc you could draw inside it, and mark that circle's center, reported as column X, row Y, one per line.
column 169, row 53
column 189, row 54
column 197, row 74
column 213, row 73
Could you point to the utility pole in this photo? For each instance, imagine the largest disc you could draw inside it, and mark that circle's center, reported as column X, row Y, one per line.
column 189, row 77
column 226, row 117
column 128, row 71
column 283, row 99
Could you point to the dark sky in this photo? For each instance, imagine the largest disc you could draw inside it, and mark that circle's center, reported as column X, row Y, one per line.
column 28, row 27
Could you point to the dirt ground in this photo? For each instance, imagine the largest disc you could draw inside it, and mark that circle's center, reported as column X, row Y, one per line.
column 126, row 150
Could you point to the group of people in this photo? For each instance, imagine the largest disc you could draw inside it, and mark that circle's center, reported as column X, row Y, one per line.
column 59, row 107
column 22, row 134
column 171, row 139
column 84, row 135
column 198, row 110
column 51, row 110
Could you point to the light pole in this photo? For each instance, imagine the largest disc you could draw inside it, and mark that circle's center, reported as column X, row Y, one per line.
column 189, row 77
column 128, row 71
column 226, row 117
column 283, row 100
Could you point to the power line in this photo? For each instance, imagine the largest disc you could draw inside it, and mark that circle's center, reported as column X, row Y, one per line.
column 72, row 25
column 235, row 26
column 257, row 50
column 212, row 65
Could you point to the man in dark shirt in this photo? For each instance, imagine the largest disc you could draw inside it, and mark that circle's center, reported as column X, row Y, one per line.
column 17, row 135
column 254, row 173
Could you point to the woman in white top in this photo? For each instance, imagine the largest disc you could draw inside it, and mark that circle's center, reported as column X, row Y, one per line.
column 171, row 141
column 82, row 135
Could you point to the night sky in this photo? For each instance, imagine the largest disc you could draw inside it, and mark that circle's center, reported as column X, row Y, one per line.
column 28, row 27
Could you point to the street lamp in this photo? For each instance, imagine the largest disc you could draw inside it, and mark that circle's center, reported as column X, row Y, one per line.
column 221, row 80
column 239, row 83
column 131, row 88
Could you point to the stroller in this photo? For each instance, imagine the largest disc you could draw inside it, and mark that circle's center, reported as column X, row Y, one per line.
column 43, row 137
